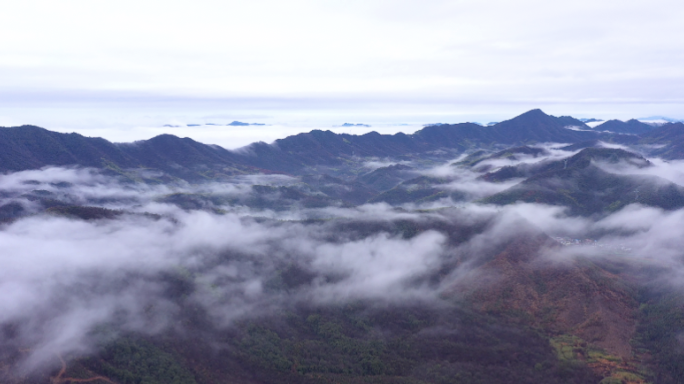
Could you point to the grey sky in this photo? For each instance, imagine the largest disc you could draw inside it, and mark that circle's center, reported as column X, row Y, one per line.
column 307, row 61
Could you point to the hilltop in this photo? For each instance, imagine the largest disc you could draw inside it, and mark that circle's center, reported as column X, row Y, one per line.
column 357, row 259
column 582, row 185
column 30, row 147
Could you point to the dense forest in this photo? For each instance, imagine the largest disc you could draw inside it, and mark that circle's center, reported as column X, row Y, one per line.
column 520, row 252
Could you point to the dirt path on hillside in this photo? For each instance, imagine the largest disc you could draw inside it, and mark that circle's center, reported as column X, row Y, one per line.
column 60, row 379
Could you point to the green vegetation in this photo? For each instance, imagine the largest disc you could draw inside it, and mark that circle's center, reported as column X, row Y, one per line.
column 327, row 349
column 84, row 213
column 585, row 188
column 357, row 343
column 573, row 351
column 502, row 342
column 659, row 331
column 417, row 190
column 415, row 343
column 136, row 361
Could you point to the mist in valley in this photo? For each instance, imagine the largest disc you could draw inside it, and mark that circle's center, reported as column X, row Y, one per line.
column 72, row 281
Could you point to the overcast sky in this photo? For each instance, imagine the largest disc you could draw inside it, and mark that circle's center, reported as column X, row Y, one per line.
column 114, row 67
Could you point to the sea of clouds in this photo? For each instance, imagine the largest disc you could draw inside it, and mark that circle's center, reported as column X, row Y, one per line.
column 62, row 279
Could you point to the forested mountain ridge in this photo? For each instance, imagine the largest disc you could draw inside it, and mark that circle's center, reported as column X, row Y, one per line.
column 668, row 140
column 586, row 188
column 528, row 251
column 30, row 147
column 632, row 126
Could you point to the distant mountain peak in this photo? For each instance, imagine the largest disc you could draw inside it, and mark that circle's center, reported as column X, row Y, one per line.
column 354, row 125
column 631, row 126
column 534, row 115
column 164, row 137
column 241, row 124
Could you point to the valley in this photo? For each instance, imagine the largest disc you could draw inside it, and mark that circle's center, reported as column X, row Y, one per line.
column 537, row 249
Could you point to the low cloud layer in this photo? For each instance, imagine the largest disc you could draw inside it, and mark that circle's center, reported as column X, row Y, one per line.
column 63, row 280
column 61, row 277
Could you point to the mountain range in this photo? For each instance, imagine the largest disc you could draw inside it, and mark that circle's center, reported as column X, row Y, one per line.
column 30, row 147
column 332, row 165
column 532, row 250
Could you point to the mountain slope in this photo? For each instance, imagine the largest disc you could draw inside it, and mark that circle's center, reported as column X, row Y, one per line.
column 579, row 298
column 413, row 341
column 536, row 126
column 183, row 157
column 421, row 189
column 474, row 160
column 580, row 160
column 569, row 121
column 29, row 147
column 385, row 178
column 327, row 148
column 587, row 189
column 634, row 127
column 589, row 313
column 670, row 137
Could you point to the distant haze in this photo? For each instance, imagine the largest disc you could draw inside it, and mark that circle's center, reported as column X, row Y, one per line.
column 107, row 69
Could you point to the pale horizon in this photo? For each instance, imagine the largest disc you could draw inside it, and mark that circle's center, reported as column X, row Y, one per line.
column 112, row 69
